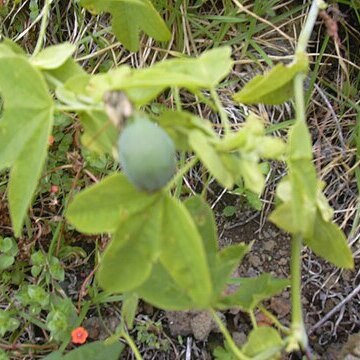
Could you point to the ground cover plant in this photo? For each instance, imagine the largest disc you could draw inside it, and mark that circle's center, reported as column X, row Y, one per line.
column 102, row 153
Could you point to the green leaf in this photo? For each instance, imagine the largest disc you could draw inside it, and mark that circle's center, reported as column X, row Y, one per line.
column 284, row 219
column 3, row 355
column 253, row 177
column 183, row 254
column 262, row 343
column 100, row 83
column 93, row 351
column 272, row 88
column 64, row 72
column 162, row 291
column 204, row 220
column 7, row 323
column 179, row 124
column 6, row 261
column 54, row 56
column 128, row 259
column 210, row 157
column 6, row 244
column 229, row 211
column 100, row 135
column 283, row 216
column 56, row 270
column 101, row 207
column 144, row 85
column 302, row 176
column 253, row 200
column 9, row 46
column 128, row 309
column 96, row 350
column 57, row 355
column 204, row 72
column 330, row 243
column 24, row 130
column 300, row 147
column 226, row 262
column 271, row 148
column 131, row 17
column 326, row 211
column 254, row 290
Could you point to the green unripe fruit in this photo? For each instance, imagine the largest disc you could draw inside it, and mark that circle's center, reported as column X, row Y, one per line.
column 147, row 154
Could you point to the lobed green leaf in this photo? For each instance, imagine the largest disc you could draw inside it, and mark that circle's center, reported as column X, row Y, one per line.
column 101, row 207
column 131, row 17
column 134, row 248
column 273, row 87
column 24, row 130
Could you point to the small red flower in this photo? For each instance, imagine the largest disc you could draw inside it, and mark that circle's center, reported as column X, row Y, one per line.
column 79, row 335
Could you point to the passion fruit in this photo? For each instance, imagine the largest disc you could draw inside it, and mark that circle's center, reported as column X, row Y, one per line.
column 147, row 154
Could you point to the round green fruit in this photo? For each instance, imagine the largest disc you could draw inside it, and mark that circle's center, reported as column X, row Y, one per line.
column 147, row 154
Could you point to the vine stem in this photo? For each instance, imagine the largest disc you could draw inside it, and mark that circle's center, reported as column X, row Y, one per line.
column 298, row 334
column 132, row 345
column 43, row 25
column 223, row 116
column 230, row 342
column 297, row 323
column 183, row 170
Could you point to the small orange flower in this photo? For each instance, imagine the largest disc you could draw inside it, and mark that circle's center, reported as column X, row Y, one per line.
column 54, row 189
column 79, row 335
column 51, row 140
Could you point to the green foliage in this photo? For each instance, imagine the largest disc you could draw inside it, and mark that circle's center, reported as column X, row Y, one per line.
column 7, row 322
column 263, row 343
column 236, row 157
column 53, row 57
column 274, row 87
column 229, row 211
column 25, row 127
column 35, row 298
column 204, row 220
column 93, row 351
column 3, row 355
column 131, row 17
column 149, row 335
column 254, row 290
column 162, row 250
column 100, row 208
column 49, row 266
column 133, row 250
column 61, row 319
column 8, row 251
column 128, row 309
column 183, row 253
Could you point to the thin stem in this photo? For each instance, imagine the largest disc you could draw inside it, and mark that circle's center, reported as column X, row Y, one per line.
column 132, row 345
column 297, row 323
column 176, row 93
column 274, row 319
column 230, row 342
column 309, row 25
column 253, row 320
column 223, row 116
column 299, row 97
column 28, row 227
column 180, row 179
column 298, row 334
column 44, row 23
column 181, row 173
